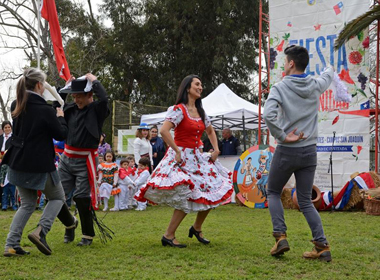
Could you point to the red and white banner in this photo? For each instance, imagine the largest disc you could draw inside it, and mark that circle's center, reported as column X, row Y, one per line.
column 315, row 24
column 49, row 12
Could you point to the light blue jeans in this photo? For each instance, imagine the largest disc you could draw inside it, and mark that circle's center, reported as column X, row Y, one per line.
column 56, row 198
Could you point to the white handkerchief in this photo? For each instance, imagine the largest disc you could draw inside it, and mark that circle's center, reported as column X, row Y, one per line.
column 88, row 87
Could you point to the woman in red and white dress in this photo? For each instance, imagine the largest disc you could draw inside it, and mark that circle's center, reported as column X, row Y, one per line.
column 186, row 179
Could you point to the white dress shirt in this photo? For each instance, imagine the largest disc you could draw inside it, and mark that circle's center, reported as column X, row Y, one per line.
column 6, row 137
column 141, row 147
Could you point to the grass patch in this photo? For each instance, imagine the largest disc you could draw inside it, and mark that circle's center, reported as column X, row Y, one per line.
column 240, row 243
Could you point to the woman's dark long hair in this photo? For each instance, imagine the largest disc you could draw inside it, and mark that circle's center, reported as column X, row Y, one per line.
column 182, row 95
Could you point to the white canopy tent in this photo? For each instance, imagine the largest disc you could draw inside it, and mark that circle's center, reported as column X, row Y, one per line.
column 224, row 108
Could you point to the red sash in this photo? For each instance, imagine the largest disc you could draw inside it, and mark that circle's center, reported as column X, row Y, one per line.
column 90, row 154
column 58, row 150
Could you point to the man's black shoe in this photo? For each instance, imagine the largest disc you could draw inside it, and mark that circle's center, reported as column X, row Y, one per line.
column 85, row 242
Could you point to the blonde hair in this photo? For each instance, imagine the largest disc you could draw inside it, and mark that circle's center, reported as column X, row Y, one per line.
column 139, row 134
column 28, row 81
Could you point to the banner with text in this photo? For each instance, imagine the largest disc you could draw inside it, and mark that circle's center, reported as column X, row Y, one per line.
column 315, row 24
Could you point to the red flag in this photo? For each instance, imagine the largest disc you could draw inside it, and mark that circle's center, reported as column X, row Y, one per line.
column 49, row 12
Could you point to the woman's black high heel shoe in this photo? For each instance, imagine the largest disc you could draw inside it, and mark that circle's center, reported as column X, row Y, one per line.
column 166, row 241
column 192, row 232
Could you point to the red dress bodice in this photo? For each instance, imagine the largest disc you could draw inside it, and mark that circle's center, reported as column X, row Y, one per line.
column 188, row 132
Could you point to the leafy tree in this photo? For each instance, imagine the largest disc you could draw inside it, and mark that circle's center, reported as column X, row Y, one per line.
column 358, row 24
column 156, row 43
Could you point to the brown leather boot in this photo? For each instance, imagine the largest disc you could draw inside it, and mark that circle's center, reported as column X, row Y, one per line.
column 320, row 251
column 281, row 245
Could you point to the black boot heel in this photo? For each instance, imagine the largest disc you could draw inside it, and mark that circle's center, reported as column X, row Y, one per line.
column 70, row 232
column 192, row 232
column 166, row 241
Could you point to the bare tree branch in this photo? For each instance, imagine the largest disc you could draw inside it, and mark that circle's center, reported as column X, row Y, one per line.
column 3, row 108
column 91, row 13
column 11, row 75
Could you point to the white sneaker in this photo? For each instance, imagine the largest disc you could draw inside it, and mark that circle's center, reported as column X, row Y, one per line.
column 114, row 209
column 105, row 209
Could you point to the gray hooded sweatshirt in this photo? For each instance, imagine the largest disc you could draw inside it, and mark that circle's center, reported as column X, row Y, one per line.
column 293, row 103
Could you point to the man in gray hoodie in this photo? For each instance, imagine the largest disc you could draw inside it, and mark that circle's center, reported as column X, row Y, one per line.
column 292, row 106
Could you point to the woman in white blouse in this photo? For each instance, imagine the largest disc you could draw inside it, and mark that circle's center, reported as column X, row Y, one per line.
column 141, row 145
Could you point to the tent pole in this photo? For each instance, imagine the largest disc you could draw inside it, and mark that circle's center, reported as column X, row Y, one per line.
column 377, row 100
column 244, row 142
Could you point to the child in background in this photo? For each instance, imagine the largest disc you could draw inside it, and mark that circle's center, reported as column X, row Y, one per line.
column 108, row 177
column 143, row 174
column 132, row 163
column 9, row 191
column 124, row 182
column 100, row 161
column 132, row 171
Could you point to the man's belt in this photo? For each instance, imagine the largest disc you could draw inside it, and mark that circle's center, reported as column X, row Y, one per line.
column 90, row 155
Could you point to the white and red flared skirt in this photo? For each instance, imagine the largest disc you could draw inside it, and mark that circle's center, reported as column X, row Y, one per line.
column 196, row 184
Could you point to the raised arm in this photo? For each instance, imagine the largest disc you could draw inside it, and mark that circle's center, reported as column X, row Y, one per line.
column 325, row 79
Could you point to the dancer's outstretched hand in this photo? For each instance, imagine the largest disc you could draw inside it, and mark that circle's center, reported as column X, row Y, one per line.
column 292, row 137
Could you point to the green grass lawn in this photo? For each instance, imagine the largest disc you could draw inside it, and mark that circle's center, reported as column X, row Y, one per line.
column 240, row 243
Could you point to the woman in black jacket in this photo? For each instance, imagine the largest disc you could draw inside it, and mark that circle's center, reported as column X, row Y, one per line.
column 30, row 158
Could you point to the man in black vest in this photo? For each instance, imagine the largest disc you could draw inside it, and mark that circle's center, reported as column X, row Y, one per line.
column 77, row 167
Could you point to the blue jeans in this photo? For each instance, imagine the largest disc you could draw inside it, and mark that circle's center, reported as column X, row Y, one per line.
column 8, row 198
column 42, row 201
column 301, row 161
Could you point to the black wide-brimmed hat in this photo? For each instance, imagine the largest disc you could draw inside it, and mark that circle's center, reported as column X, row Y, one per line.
column 77, row 86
